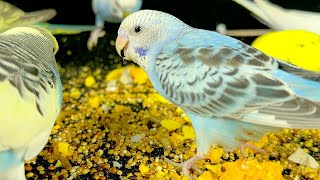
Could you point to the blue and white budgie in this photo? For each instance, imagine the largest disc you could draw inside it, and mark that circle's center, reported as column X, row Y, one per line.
column 232, row 92
column 113, row 11
column 30, row 93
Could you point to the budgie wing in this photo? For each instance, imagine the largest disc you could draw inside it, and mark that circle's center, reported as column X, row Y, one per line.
column 229, row 79
column 25, row 71
column 303, row 73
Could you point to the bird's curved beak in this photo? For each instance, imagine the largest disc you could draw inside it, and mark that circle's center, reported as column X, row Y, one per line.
column 122, row 43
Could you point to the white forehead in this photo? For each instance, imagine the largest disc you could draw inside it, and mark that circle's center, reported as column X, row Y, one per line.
column 148, row 17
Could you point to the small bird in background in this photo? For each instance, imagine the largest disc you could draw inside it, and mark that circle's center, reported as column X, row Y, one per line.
column 30, row 93
column 278, row 18
column 11, row 16
column 232, row 92
column 112, row 11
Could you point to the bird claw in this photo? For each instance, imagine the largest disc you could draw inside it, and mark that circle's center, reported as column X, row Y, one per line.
column 253, row 147
column 94, row 36
column 187, row 165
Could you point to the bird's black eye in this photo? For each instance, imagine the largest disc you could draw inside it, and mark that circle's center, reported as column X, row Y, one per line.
column 137, row 29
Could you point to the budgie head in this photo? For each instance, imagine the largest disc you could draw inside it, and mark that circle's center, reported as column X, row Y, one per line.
column 142, row 34
column 37, row 36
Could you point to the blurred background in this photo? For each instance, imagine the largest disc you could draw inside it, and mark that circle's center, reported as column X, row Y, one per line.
column 202, row 13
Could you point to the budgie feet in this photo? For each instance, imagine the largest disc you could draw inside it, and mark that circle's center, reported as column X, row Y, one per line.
column 94, row 36
column 187, row 165
column 253, row 147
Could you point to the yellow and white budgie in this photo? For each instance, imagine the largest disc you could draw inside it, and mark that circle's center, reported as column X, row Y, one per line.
column 30, row 93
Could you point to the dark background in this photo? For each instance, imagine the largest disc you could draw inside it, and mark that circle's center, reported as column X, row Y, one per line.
column 198, row 13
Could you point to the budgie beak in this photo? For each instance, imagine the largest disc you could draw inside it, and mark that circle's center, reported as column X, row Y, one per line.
column 122, row 43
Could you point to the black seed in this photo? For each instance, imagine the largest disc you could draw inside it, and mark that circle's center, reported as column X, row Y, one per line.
column 150, row 125
column 109, row 175
column 286, row 172
column 41, row 162
column 158, row 151
column 271, row 158
column 85, row 177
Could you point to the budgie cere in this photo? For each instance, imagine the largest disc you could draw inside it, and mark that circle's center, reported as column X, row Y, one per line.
column 232, row 92
column 112, row 11
column 30, row 93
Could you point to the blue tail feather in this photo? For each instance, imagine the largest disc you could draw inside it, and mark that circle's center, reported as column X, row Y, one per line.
column 302, row 87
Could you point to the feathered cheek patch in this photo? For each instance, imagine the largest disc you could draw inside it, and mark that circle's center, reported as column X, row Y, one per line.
column 141, row 51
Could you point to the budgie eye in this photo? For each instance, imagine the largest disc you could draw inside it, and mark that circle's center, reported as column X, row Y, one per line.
column 137, row 29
